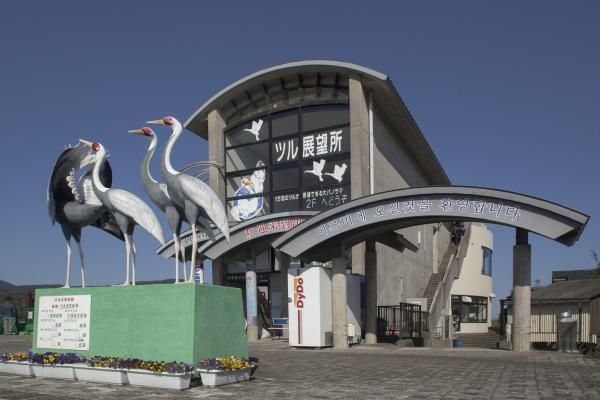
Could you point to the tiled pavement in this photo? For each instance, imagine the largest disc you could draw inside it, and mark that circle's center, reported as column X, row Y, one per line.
column 365, row 372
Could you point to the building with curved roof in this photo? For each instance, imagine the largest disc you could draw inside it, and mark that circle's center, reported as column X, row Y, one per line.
column 304, row 141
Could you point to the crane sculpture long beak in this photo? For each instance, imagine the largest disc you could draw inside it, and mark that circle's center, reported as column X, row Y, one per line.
column 136, row 131
column 156, row 122
column 85, row 142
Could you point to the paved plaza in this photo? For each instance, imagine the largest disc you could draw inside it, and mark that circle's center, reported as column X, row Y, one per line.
column 365, row 372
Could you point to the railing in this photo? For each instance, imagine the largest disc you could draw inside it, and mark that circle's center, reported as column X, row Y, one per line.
column 440, row 298
column 401, row 321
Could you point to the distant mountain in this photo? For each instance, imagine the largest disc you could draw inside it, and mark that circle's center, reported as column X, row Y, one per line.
column 6, row 286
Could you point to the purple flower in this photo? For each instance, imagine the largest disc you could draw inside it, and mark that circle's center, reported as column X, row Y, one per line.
column 178, row 367
column 212, row 363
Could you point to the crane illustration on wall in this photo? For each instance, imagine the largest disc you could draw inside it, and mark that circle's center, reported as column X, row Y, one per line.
column 338, row 172
column 255, row 129
column 246, row 208
column 317, row 169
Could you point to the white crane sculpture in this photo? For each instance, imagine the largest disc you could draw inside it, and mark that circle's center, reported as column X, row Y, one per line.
column 75, row 206
column 128, row 210
column 159, row 194
column 189, row 193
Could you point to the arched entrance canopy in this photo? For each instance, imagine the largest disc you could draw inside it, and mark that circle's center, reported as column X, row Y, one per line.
column 253, row 233
column 361, row 219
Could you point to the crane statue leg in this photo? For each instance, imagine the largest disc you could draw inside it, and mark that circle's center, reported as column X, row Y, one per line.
column 82, row 265
column 77, row 237
column 183, row 262
column 67, row 234
column 174, row 219
column 194, row 250
column 133, row 254
column 68, row 263
column 176, row 242
column 128, row 252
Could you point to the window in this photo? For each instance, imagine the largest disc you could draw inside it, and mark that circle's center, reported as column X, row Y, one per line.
column 470, row 308
column 296, row 159
column 486, row 268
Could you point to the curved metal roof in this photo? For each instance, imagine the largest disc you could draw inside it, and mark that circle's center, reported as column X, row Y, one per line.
column 320, row 66
column 362, row 218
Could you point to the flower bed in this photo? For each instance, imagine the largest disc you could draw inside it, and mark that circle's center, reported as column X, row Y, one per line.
column 84, row 372
column 16, row 364
column 140, row 377
column 136, row 372
column 51, row 365
column 160, row 374
column 54, row 365
column 222, row 371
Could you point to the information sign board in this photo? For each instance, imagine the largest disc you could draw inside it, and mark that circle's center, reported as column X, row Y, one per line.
column 63, row 322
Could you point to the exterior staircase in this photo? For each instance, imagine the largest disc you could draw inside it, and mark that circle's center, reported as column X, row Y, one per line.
column 436, row 278
column 488, row 340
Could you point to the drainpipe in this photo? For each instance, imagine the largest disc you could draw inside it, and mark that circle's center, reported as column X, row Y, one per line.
column 371, row 145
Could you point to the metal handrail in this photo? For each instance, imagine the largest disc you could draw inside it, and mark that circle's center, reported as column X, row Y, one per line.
column 453, row 271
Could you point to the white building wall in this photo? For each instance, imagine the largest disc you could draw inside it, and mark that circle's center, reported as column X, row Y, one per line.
column 471, row 281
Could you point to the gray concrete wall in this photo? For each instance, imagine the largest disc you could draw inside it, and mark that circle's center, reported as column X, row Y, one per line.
column 403, row 274
column 359, row 156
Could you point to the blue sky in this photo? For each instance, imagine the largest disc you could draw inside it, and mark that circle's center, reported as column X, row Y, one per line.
column 505, row 93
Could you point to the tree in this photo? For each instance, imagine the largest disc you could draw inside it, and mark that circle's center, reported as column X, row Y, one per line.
column 596, row 258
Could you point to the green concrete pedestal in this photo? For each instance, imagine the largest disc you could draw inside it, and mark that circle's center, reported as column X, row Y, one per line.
column 183, row 322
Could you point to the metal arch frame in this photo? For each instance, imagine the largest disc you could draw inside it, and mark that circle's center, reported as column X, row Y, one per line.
column 539, row 216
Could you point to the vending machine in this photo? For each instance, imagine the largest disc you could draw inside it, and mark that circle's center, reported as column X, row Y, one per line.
column 310, row 323
column 310, row 307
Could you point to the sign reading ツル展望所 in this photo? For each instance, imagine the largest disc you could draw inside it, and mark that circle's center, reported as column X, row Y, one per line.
column 63, row 322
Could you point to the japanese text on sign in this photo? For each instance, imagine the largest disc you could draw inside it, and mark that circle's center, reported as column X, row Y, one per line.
column 272, row 227
column 321, row 144
column 64, row 322
column 324, row 198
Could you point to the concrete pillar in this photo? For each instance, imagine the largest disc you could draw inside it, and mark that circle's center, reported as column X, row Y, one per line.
column 371, row 293
column 282, row 262
column 219, row 272
column 339, row 303
column 251, row 301
column 521, row 327
column 216, row 153
column 216, row 177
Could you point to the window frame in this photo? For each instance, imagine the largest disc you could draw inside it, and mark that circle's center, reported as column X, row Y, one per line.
column 270, row 139
column 489, row 252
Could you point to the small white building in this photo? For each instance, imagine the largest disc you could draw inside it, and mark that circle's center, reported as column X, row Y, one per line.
column 471, row 294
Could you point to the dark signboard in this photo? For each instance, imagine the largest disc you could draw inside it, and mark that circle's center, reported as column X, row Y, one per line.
column 297, row 159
